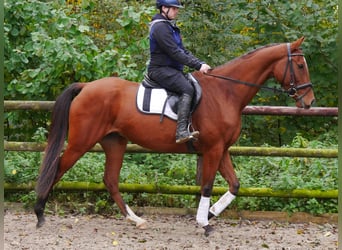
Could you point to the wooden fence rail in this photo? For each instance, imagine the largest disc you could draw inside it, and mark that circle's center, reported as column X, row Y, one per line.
column 179, row 189
column 249, row 110
column 243, row 151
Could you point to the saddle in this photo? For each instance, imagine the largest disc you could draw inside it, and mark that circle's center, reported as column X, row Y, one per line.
column 153, row 99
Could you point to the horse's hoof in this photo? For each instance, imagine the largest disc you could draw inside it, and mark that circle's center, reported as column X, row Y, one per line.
column 139, row 223
column 40, row 222
column 208, row 230
column 210, row 215
column 142, row 225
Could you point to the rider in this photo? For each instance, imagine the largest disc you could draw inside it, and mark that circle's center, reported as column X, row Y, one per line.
column 167, row 59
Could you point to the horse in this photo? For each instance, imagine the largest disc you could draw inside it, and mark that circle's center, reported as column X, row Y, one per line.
column 104, row 111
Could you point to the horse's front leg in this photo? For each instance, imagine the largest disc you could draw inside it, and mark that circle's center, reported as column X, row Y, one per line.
column 211, row 162
column 227, row 171
column 115, row 147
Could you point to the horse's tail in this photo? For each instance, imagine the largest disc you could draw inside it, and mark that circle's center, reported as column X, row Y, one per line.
column 56, row 138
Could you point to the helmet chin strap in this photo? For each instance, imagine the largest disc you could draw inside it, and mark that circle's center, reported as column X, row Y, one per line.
column 166, row 14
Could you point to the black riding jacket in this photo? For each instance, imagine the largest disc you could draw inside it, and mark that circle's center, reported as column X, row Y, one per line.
column 166, row 47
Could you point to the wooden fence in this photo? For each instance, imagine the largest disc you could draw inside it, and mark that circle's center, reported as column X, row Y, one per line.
column 167, row 189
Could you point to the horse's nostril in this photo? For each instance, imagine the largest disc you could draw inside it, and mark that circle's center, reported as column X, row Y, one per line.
column 310, row 105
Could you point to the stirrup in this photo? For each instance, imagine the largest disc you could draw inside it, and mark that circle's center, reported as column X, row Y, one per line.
column 194, row 134
column 191, row 135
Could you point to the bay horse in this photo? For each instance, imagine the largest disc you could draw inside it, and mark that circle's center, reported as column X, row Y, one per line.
column 104, row 111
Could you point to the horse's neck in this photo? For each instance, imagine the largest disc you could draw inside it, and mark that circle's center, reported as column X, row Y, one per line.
column 256, row 70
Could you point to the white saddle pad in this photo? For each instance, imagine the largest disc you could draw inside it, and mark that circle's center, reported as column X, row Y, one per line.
column 152, row 101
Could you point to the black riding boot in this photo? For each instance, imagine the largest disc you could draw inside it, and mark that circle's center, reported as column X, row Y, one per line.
column 183, row 134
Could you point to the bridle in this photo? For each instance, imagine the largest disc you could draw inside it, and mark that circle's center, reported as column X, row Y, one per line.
column 292, row 91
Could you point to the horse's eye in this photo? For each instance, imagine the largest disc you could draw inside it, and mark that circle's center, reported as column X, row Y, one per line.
column 300, row 66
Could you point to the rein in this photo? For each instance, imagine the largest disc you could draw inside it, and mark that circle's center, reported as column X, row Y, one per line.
column 292, row 91
column 246, row 83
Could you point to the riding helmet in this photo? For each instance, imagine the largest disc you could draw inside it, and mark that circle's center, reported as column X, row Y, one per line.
column 168, row 3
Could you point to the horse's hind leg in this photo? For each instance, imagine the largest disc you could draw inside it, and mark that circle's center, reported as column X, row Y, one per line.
column 114, row 146
column 227, row 171
column 66, row 161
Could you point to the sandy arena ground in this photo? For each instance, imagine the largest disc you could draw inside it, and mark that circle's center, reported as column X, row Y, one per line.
column 164, row 232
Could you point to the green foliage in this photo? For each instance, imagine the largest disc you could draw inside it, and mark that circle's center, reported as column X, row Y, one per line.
column 271, row 172
column 46, row 49
column 227, row 30
column 48, row 46
column 22, row 167
column 289, row 173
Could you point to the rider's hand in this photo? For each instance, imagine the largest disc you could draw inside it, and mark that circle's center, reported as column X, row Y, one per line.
column 204, row 68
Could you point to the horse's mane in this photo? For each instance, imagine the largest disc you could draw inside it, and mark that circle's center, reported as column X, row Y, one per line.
column 248, row 54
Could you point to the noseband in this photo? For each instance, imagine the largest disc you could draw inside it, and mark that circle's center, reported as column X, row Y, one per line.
column 292, row 91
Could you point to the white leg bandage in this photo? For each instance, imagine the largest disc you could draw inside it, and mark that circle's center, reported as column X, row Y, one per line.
column 222, row 203
column 202, row 211
column 131, row 216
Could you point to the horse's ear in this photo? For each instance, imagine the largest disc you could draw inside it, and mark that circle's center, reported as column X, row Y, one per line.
column 296, row 44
